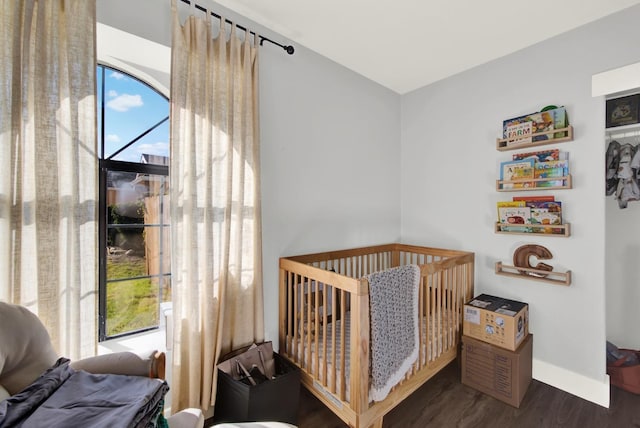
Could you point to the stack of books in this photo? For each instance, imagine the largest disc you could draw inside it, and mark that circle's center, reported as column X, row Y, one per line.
column 535, row 214
column 545, row 164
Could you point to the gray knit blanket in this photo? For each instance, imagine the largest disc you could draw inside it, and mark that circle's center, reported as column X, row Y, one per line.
column 393, row 305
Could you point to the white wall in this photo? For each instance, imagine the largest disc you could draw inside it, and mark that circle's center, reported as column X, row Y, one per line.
column 330, row 161
column 449, row 168
column 329, row 140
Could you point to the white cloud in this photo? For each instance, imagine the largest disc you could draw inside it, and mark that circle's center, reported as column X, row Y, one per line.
column 112, row 94
column 159, row 148
column 124, row 102
column 117, row 75
column 127, row 156
column 112, row 138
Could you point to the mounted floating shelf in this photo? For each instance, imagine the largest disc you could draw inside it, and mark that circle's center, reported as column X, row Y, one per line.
column 565, row 179
column 504, row 144
column 558, row 230
column 558, row 278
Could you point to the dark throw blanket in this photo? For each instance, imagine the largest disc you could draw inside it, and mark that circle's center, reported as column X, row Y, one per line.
column 63, row 397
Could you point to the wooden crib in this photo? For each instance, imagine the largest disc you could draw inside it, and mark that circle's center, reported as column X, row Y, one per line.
column 324, row 321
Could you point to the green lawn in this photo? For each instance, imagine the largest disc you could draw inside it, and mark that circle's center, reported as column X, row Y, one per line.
column 132, row 304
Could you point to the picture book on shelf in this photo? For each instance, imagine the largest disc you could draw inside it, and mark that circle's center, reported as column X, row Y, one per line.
column 514, row 219
column 546, row 214
column 550, row 169
column 539, row 156
column 517, row 170
column 519, row 133
column 522, row 173
column 561, row 120
column 545, row 198
column 531, row 214
column 540, row 122
column 509, row 204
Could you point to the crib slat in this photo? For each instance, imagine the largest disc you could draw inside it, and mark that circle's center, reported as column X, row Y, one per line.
column 332, row 357
column 440, row 344
column 421, row 333
column 307, row 323
column 284, row 322
column 343, row 342
column 325, row 320
column 290, row 307
column 445, row 321
column 456, row 306
column 432, row 321
column 316, row 301
column 297, row 318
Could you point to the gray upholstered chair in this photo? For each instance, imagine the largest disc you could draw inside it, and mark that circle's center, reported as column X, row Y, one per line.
column 26, row 352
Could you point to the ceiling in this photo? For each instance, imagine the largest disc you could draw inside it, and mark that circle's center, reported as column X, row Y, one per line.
column 407, row 44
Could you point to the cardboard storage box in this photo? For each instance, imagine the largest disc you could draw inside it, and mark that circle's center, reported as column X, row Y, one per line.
column 625, row 377
column 501, row 322
column 500, row 373
column 272, row 400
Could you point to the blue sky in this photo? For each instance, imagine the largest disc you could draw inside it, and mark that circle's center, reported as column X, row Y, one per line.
column 131, row 107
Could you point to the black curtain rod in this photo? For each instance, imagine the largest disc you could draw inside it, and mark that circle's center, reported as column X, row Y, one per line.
column 288, row 48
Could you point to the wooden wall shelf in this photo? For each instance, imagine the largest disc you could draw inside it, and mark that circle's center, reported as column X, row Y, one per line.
column 558, row 278
column 565, row 228
column 566, row 180
column 504, row 144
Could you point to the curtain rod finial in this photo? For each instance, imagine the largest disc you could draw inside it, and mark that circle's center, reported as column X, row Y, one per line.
column 289, row 49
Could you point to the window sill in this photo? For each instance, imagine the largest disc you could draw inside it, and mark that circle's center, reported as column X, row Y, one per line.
column 149, row 340
column 159, row 339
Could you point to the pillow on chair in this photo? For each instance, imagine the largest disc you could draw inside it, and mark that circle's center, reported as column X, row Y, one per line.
column 26, row 350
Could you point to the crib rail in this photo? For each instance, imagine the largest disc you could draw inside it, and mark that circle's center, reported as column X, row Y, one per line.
column 319, row 291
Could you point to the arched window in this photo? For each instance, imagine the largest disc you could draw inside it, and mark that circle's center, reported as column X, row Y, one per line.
column 135, row 262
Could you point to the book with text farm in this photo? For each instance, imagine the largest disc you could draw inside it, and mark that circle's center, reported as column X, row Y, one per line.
column 540, row 122
column 551, row 169
column 517, row 170
column 519, row 133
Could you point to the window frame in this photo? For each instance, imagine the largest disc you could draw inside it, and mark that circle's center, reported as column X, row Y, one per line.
column 110, row 164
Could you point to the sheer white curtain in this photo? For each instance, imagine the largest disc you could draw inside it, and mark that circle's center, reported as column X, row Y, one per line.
column 215, row 203
column 48, row 167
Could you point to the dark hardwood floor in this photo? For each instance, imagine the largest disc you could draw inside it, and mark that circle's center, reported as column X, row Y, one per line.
column 444, row 402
